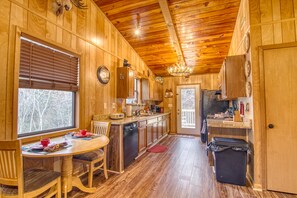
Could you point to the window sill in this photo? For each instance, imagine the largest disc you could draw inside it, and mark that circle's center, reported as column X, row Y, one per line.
column 34, row 138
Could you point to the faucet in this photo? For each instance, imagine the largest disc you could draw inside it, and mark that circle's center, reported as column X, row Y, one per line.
column 137, row 112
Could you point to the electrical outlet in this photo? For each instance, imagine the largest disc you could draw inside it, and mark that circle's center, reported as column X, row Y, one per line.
column 105, row 105
column 114, row 105
column 169, row 105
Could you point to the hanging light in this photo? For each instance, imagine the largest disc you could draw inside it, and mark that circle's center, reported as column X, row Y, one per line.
column 180, row 69
column 137, row 31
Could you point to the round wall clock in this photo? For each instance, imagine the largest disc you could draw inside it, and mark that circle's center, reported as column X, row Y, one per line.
column 247, row 68
column 248, row 89
column 247, row 42
column 103, row 74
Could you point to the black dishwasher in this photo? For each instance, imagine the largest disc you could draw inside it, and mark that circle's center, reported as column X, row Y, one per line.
column 130, row 143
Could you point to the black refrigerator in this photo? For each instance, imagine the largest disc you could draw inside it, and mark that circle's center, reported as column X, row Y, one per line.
column 210, row 105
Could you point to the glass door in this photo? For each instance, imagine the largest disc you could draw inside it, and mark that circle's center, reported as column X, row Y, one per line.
column 188, row 121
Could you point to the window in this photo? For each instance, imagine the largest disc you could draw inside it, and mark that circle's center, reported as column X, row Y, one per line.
column 48, row 83
column 136, row 98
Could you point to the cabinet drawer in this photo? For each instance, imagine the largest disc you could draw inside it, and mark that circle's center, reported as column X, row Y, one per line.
column 152, row 121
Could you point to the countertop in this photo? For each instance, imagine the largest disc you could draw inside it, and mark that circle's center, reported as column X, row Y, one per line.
column 217, row 123
column 128, row 120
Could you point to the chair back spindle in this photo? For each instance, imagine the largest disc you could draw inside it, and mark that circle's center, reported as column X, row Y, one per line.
column 11, row 165
column 100, row 128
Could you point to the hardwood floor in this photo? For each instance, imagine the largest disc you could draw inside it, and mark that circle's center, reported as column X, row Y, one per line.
column 180, row 172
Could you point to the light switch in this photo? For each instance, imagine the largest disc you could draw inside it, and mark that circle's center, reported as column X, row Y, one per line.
column 169, row 105
column 105, row 105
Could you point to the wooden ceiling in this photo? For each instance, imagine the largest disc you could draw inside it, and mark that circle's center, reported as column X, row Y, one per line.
column 204, row 30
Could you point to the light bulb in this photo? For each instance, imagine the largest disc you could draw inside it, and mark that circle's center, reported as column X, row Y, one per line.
column 137, row 31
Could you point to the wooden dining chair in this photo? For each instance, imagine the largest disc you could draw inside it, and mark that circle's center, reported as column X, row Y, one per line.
column 94, row 157
column 14, row 182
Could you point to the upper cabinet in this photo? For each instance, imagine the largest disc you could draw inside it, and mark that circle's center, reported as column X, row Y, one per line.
column 151, row 90
column 158, row 91
column 125, row 82
column 231, row 77
column 145, row 89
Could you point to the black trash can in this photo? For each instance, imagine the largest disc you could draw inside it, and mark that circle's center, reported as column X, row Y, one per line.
column 230, row 157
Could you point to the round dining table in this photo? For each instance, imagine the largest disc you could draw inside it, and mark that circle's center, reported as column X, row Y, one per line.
column 78, row 146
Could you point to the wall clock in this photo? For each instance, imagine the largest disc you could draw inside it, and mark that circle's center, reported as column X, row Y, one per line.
column 247, row 68
column 103, row 74
column 247, row 42
column 248, row 89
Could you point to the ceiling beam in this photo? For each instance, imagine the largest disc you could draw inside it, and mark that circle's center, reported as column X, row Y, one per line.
column 171, row 28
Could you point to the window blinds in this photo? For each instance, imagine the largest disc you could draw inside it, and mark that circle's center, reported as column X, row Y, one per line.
column 42, row 67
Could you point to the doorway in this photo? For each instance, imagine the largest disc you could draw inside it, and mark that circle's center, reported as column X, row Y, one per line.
column 188, row 121
column 279, row 69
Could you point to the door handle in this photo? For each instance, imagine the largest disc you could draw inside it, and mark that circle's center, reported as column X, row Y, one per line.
column 271, row 126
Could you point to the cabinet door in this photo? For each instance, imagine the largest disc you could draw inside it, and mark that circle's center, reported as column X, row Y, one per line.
column 145, row 89
column 160, row 129
column 167, row 125
column 152, row 84
column 164, row 127
column 141, row 139
column 223, row 81
column 155, row 132
column 131, row 84
column 149, row 134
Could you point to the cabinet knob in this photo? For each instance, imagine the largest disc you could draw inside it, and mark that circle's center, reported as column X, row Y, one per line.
column 271, row 126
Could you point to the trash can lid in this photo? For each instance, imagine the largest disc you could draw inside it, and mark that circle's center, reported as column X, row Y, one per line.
column 230, row 142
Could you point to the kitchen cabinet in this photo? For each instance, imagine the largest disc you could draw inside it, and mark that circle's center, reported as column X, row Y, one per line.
column 142, row 133
column 167, row 124
column 125, row 82
column 151, row 90
column 164, row 126
column 145, row 89
column 149, row 134
column 155, row 131
column 160, row 127
column 231, row 79
column 158, row 91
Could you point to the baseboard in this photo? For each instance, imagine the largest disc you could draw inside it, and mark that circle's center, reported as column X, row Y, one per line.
column 250, row 180
column 257, row 187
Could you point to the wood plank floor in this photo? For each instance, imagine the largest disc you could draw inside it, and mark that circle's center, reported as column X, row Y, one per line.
column 180, row 172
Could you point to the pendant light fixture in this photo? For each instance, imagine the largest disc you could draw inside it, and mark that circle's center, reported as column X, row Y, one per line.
column 180, row 68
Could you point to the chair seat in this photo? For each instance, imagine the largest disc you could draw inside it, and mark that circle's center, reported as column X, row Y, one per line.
column 90, row 156
column 33, row 180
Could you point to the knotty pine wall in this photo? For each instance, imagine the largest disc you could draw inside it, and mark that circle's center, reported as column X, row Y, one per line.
column 272, row 22
column 206, row 81
column 87, row 32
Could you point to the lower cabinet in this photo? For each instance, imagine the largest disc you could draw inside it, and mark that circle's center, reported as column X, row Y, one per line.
column 149, row 136
column 160, row 129
column 155, row 132
column 142, row 136
column 151, row 131
column 164, row 126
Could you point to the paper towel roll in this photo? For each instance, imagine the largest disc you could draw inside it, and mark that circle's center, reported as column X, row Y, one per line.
column 129, row 110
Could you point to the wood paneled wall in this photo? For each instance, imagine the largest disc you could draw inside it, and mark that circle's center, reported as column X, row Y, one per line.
column 87, row 32
column 206, row 81
column 242, row 27
column 272, row 22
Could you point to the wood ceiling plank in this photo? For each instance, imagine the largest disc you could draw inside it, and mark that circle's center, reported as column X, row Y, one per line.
column 204, row 30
